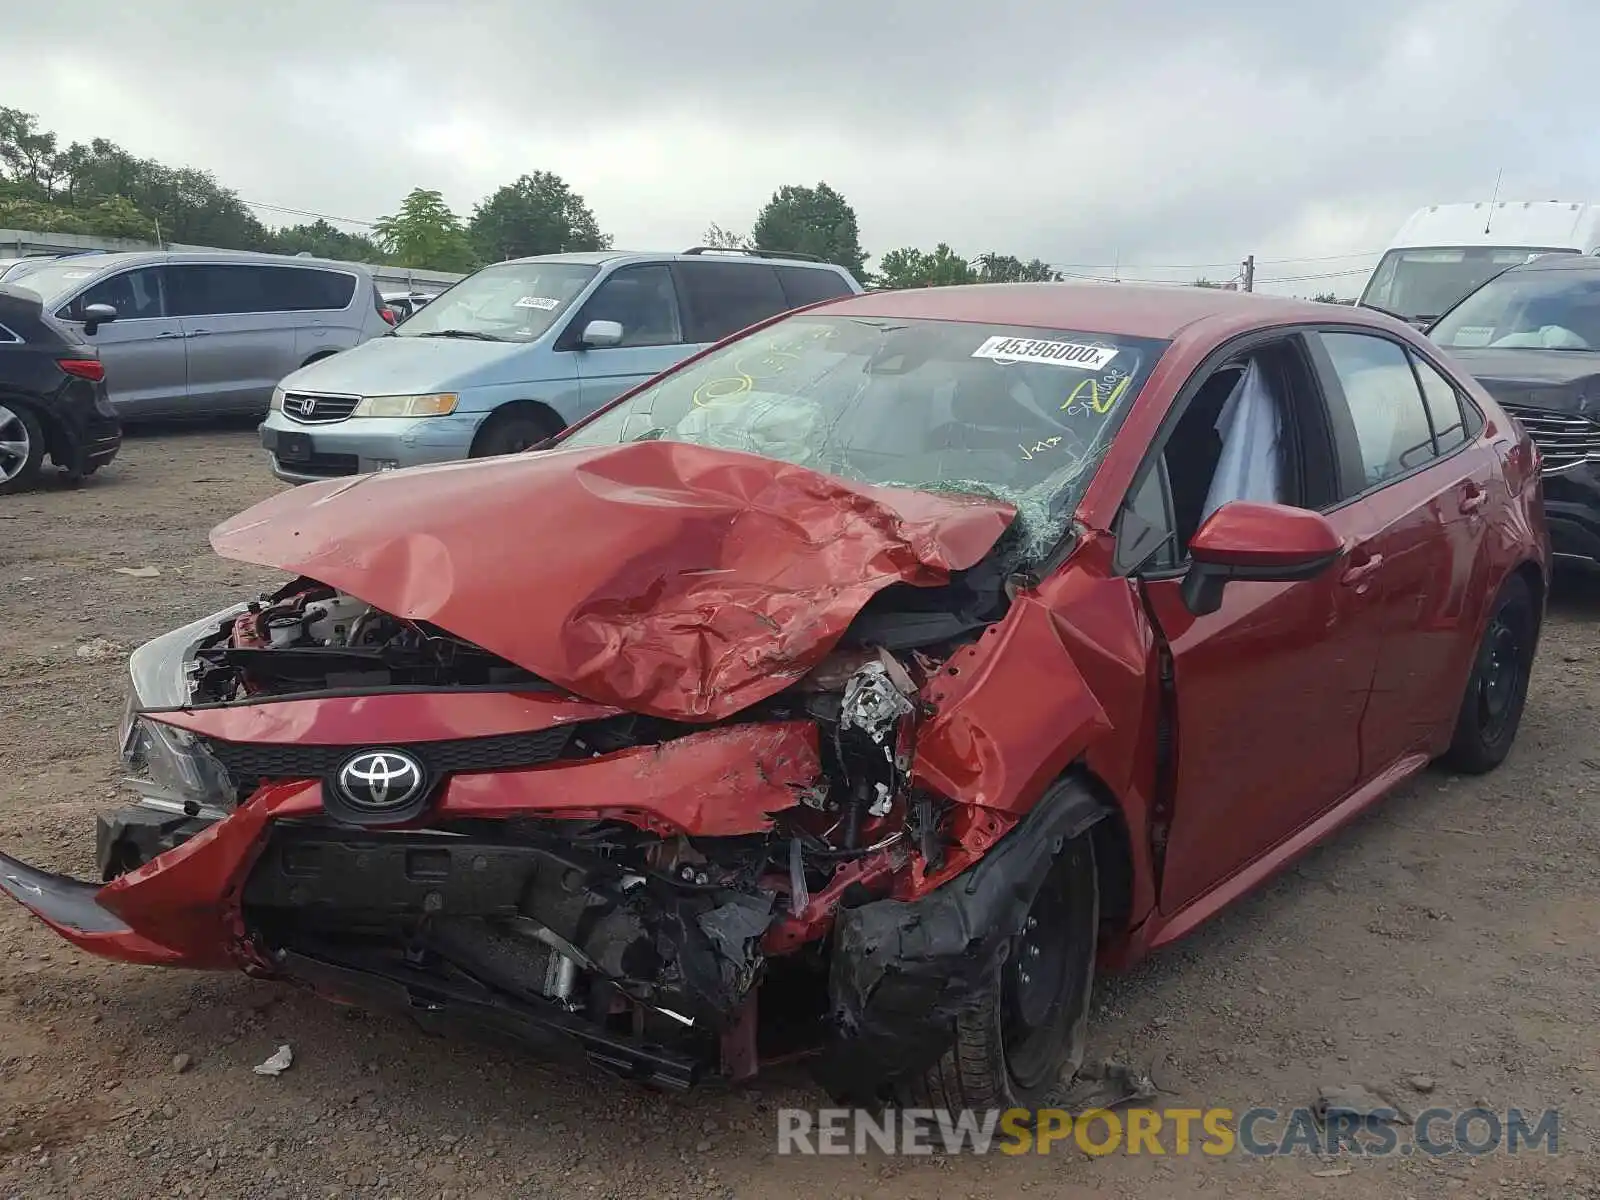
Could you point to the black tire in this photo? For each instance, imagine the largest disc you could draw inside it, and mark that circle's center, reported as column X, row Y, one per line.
column 511, row 432
column 1023, row 1043
column 22, row 447
column 1497, row 689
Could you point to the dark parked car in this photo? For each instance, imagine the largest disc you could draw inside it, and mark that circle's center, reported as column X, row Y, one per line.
column 53, row 399
column 853, row 688
column 1531, row 336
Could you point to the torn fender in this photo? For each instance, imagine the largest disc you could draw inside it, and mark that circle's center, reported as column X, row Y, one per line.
column 902, row 971
column 659, row 577
column 1012, row 711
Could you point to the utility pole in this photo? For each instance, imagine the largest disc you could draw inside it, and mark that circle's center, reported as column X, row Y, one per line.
column 1249, row 269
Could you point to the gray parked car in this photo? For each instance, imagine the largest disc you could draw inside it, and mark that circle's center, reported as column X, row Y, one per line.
column 200, row 334
column 516, row 352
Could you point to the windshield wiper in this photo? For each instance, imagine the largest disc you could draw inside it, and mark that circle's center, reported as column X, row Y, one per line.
column 474, row 334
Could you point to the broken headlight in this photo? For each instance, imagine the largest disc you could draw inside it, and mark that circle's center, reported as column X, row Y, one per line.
column 172, row 770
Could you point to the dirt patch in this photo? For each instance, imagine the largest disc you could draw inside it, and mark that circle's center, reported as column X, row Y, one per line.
column 1451, row 935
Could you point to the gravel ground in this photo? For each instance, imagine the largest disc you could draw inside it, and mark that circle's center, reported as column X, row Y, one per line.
column 1447, row 944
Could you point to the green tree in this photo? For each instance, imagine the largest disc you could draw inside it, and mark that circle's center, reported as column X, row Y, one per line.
column 719, row 238
column 1007, row 268
column 811, row 221
column 426, row 234
column 1203, row 282
column 1326, row 298
column 538, row 214
column 323, row 240
column 909, row 267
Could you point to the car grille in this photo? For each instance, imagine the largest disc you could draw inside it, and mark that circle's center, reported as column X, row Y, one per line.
column 249, row 764
column 323, row 410
column 1565, row 439
column 324, row 466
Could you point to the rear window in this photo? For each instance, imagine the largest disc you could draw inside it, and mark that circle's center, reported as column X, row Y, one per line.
column 808, row 285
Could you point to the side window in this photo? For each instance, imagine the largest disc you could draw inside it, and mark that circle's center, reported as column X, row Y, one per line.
column 724, row 297
column 136, row 295
column 807, row 285
column 640, row 299
column 1145, row 535
column 1386, row 406
column 300, row 289
column 203, row 290
column 1444, row 406
column 1254, row 428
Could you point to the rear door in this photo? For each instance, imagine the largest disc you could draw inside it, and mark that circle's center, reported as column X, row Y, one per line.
column 327, row 309
column 1424, row 486
column 241, row 340
column 1267, row 693
column 143, row 349
column 644, row 301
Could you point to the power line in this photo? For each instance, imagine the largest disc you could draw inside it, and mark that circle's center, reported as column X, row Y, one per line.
column 301, row 212
column 1322, row 275
column 1069, row 268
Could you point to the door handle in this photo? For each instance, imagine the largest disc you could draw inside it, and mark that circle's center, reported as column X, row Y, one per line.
column 197, row 333
column 1360, row 572
column 1474, row 499
column 159, row 336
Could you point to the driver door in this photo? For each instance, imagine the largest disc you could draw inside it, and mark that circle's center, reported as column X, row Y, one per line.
column 643, row 300
column 1266, row 694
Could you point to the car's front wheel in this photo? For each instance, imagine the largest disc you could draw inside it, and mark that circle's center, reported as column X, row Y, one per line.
column 1497, row 690
column 1020, row 1046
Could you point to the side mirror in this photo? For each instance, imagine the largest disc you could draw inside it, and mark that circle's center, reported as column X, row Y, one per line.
column 597, row 335
column 1269, row 543
column 96, row 315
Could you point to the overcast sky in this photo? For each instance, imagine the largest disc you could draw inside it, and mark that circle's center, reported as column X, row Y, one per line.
column 1142, row 131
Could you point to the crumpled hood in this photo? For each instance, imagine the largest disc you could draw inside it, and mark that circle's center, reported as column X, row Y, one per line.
column 664, row 578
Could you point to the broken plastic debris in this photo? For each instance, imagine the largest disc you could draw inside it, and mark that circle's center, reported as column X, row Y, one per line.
column 1353, row 1100
column 138, row 572
column 277, row 1064
column 799, row 895
column 1107, row 1084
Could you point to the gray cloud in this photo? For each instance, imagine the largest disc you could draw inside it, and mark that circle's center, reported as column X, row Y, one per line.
column 1144, row 132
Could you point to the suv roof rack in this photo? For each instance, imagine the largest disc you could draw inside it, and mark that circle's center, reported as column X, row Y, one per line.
column 816, row 258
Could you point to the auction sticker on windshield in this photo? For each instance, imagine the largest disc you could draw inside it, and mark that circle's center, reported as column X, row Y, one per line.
column 543, row 303
column 1042, row 350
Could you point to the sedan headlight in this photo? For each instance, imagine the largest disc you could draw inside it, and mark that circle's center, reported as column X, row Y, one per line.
column 277, row 400
column 434, row 404
column 171, row 769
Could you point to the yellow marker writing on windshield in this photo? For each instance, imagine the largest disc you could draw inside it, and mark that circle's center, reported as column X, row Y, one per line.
column 1099, row 402
column 733, row 389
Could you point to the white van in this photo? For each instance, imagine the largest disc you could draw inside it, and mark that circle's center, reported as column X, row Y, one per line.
column 1446, row 250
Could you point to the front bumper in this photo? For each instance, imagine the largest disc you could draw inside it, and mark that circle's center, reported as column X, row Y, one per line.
column 304, row 453
column 1572, row 510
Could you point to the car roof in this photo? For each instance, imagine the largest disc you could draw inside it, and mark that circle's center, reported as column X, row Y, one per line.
column 134, row 258
column 1558, row 262
column 1131, row 310
column 598, row 258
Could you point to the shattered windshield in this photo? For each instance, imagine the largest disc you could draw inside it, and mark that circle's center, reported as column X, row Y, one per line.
column 1017, row 413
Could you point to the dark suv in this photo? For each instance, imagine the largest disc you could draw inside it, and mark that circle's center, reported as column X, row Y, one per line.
column 53, row 399
column 1531, row 336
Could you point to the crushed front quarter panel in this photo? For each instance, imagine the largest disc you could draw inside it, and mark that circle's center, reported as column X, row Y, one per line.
column 667, row 579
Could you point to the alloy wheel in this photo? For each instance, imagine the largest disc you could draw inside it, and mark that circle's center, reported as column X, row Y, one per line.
column 16, row 446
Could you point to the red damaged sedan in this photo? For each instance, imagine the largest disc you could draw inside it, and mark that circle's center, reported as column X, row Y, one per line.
column 851, row 691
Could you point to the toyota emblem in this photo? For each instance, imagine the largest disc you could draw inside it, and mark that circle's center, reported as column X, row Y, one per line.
column 380, row 781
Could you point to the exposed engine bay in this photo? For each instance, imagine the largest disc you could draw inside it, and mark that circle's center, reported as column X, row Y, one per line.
column 642, row 949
